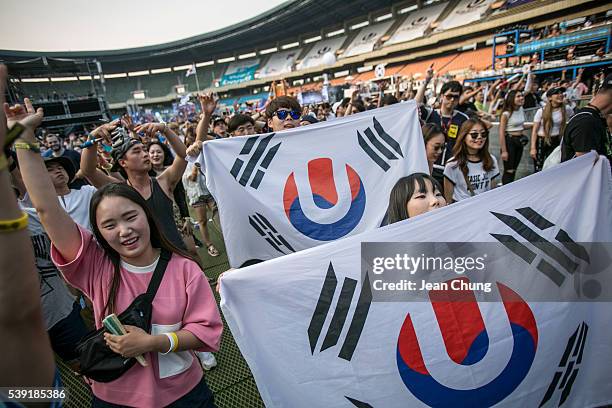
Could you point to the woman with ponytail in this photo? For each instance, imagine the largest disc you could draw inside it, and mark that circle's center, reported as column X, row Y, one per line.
column 548, row 124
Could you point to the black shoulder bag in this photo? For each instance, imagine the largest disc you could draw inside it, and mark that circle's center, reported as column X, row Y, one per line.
column 97, row 360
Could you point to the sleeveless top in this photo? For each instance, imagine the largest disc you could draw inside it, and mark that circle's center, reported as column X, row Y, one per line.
column 162, row 208
column 516, row 121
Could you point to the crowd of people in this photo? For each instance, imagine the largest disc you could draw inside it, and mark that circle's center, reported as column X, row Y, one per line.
column 91, row 215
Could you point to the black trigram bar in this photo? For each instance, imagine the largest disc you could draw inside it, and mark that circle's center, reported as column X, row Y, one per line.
column 269, row 233
column 568, row 370
column 393, row 152
column 358, row 322
column 322, row 308
column 340, row 314
column 262, row 145
column 339, row 317
column 538, row 241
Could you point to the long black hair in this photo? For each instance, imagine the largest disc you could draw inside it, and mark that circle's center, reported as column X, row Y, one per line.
column 168, row 159
column 402, row 192
column 158, row 240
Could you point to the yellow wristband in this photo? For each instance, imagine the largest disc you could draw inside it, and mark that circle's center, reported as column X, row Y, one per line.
column 35, row 147
column 176, row 341
column 14, row 225
column 3, row 161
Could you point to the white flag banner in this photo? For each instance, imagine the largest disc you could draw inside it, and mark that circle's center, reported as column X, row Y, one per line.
column 366, row 39
column 283, row 192
column 416, row 24
column 314, row 335
column 466, row 12
column 314, row 57
column 280, row 63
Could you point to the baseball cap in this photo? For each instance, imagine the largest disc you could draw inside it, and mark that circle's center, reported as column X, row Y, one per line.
column 555, row 90
column 65, row 162
column 216, row 120
column 309, row 118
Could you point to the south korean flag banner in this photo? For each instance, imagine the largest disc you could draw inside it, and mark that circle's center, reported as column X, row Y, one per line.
column 516, row 313
column 280, row 193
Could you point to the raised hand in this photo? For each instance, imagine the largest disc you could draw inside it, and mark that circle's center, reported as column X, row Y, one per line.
column 25, row 115
column 104, row 131
column 150, row 129
column 126, row 122
column 430, row 73
column 208, row 103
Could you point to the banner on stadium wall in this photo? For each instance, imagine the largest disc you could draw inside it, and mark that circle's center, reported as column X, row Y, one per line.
column 280, row 63
column 314, row 335
column 563, row 40
column 283, row 192
column 466, row 12
column 366, row 39
column 416, row 24
column 314, row 57
column 240, row 72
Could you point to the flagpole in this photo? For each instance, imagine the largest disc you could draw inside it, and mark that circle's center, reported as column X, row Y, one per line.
column 197, row 82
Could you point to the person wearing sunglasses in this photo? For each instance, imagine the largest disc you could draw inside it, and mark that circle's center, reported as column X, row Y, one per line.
column 447, row 117
column 283, row 113
column 472, row 169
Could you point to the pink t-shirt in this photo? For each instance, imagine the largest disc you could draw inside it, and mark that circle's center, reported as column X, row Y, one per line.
column 184, row 301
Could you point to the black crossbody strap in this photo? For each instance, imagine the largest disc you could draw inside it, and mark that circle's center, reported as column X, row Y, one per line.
column 158, row 274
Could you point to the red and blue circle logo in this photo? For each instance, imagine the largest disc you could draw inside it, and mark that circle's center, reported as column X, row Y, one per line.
column 467, row 342
column 325, row 196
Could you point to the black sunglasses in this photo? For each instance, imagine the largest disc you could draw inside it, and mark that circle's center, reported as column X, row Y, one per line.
column 474, row 135
column 282, row 114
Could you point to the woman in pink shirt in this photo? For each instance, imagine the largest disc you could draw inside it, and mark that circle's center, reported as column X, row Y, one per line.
column 115, row 267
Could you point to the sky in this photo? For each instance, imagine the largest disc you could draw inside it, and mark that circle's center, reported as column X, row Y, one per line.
column 86, row 25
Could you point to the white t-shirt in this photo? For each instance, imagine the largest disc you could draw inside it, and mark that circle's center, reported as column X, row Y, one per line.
column 516, row 121
column 76, row 204
column 557, row 117
column 197, row 189
column 478, row 177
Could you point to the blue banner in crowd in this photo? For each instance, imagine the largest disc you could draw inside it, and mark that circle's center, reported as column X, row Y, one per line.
column 562, row 40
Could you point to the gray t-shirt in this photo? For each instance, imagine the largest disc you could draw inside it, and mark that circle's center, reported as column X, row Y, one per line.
column 56, row 299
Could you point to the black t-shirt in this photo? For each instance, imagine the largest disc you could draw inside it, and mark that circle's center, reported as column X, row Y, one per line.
column 450, row 127
column 532, row 100
column 587, row 130
column 468, row 108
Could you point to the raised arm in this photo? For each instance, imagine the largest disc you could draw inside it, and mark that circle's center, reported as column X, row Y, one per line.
column 349, row 107
column 89, row 156
column 420, row 95
column 208, row 104
column 172, row 175
column 22, row 330
column 467, row 95
column 62, row 230
column 517, row 85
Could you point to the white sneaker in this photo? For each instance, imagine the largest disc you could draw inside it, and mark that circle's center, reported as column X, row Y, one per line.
column 207, row 359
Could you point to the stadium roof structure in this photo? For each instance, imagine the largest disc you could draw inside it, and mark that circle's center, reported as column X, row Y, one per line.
column 289, row 21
